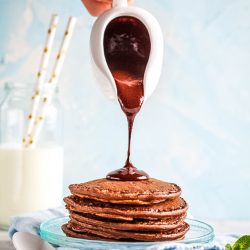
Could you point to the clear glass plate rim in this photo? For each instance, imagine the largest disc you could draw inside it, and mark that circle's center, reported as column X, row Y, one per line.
column 210, row 234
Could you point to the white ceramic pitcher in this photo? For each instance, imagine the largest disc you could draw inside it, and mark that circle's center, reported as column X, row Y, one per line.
column 154, row 64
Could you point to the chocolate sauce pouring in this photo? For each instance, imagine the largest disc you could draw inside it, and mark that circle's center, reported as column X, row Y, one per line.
column 127, row 48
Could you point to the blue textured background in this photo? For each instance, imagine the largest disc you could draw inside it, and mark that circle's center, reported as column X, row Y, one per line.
column 194, row 130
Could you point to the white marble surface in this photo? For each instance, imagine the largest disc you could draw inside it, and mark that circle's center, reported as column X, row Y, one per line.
column 220, row 226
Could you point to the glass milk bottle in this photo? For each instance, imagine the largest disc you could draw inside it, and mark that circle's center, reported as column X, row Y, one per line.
column 31, row 178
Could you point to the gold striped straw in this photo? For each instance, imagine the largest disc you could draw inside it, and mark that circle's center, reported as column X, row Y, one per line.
column 40, row 76
column 46, row 100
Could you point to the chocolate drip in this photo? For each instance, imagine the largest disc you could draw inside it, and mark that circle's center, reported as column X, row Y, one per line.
column 127, row 48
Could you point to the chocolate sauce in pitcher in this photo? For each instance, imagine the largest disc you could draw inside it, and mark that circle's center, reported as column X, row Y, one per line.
column 127, row 48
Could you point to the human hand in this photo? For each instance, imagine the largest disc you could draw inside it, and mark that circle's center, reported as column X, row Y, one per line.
column 97, row 7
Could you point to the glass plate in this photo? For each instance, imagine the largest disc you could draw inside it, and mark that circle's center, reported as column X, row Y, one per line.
column 51, row 231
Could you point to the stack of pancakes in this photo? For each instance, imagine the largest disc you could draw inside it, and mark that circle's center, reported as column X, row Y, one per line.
column 147, row 210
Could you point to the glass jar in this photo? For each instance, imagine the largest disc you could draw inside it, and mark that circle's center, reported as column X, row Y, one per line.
column 14, row 112
column 30, row 178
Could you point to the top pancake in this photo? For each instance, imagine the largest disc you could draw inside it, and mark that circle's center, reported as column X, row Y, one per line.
column 144, row 192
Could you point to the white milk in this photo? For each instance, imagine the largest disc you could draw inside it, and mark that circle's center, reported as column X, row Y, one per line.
column 30, row 180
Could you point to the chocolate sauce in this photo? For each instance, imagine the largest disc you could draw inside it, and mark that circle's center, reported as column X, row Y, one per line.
column 127, row 48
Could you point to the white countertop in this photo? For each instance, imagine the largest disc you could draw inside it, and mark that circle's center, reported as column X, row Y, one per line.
column 221, row 227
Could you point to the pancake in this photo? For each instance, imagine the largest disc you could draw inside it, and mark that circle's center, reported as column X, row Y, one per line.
column 106, row 216
column 136, row 225
column 171, row 207
column 175, row 234
column 114, row 217
column 86, row 236
column 144, row 192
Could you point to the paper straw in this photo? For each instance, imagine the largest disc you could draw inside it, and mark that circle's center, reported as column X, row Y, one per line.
column 46, row 100
column 41, row 75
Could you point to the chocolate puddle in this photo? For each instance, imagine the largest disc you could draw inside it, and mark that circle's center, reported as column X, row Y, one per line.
column 127, row 48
